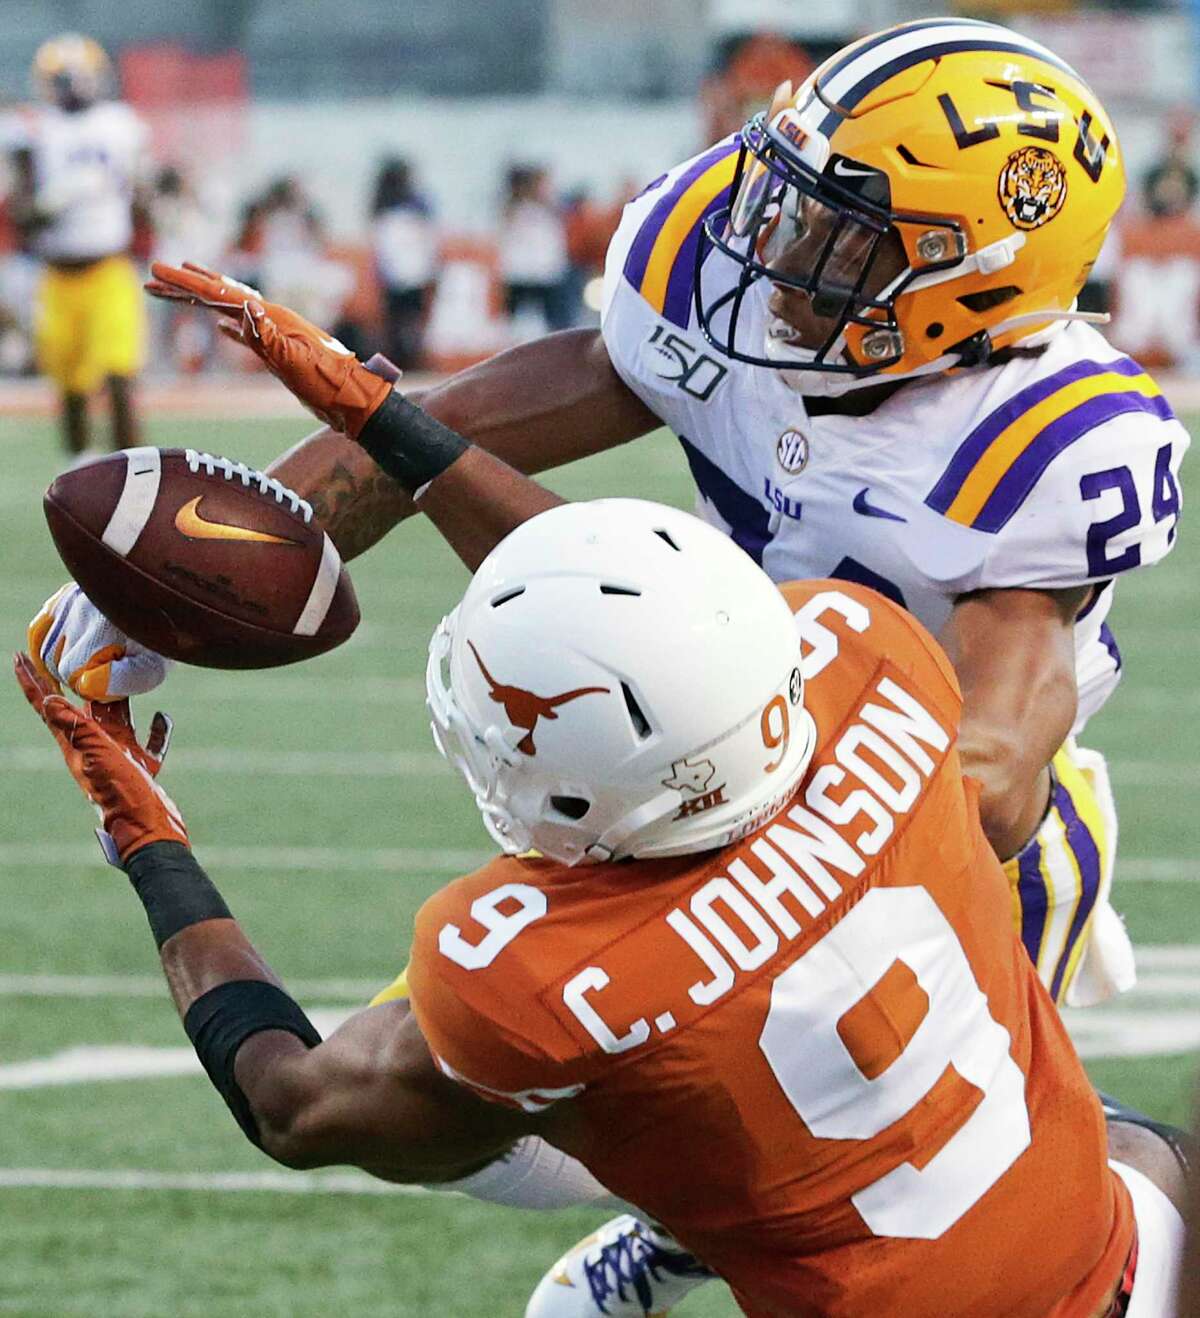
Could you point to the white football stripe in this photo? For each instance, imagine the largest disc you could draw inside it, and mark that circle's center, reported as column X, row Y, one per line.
column 906, row 42
column 143, row 471
column 321, row 595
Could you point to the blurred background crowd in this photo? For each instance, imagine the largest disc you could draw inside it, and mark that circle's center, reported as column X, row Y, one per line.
column 438, row 190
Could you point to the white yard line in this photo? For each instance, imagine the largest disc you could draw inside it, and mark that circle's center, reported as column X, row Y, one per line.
column 1156, row 869
column 154, row 986
column 1130, row 869
column 1154, row 773
column 51, row 1178
column 341, row 860
column 42, row 758
column 260, row 763
column 295, row 687
column 95, row 1063
column 1164, row 968
column 418, row 860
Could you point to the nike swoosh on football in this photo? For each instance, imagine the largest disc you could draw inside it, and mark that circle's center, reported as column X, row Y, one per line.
column 873, row 510
column 188, row 522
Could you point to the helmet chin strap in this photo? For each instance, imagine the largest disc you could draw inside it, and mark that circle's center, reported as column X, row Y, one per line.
column 819, row 384
column 649, row 812
column 1037, row 317
column 815, row 384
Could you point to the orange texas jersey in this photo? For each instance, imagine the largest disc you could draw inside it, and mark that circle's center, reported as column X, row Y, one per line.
column 820, row 1056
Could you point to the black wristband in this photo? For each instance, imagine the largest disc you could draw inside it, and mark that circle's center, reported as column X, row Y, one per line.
column 173, row 888
column 409, row 444
column 221, row 1020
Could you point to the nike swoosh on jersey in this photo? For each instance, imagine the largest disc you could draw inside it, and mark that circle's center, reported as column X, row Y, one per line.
column 873, row 510
column 188, row 522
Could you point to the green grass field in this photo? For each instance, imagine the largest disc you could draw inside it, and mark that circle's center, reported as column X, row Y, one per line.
column 318, row 803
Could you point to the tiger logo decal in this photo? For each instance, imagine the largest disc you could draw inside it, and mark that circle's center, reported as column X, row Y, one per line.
column 1033, row 187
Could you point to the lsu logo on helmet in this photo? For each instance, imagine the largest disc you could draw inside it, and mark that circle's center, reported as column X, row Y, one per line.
column 1033, row 187
column 907, row 187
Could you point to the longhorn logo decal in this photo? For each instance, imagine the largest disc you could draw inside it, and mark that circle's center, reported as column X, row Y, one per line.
column 523, row 708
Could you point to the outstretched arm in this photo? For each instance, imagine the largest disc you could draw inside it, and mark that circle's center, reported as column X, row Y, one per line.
column 484, row 497
column 535, row 407
column 370, row 1095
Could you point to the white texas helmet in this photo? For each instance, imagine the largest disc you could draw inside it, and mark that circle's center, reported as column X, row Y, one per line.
column 620, row 679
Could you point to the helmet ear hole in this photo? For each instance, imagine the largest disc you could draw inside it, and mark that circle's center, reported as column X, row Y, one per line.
column 989, row 298
column 641, row 724
column 574, row 807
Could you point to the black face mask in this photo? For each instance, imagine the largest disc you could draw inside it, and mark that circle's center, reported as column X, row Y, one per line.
column 831, row 236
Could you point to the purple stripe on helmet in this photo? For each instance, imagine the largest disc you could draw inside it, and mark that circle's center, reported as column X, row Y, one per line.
column 1087, row 856
column 1031, row 892
column 643, row 244
column 976, row 443
column 1014, row 486
column 677, row 304
column 1109, row 641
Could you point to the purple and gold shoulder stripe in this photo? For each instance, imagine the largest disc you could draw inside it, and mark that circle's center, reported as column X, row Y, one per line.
column 1004, row 456
column 662, row 257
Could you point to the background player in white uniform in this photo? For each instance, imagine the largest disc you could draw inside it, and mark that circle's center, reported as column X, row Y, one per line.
column 79, row 159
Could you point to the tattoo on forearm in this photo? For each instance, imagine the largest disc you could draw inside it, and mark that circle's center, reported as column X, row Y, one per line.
column 358, row 511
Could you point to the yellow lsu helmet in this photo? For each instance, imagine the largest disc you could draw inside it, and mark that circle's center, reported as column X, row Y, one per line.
column 71, row 70
column 933, row 193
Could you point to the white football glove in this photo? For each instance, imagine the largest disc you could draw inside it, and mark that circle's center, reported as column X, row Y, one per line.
column 74, row 645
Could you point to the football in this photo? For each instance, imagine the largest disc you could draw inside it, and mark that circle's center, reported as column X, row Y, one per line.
column 200, row 558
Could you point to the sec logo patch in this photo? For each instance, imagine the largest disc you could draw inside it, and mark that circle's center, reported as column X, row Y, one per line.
column 792, row 451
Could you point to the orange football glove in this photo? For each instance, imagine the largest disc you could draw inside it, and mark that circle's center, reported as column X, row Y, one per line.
column 115, row 772
column 323, row 374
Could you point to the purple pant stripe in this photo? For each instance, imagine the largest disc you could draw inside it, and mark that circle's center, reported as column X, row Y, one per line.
column 1109, row 641
column 639, row 253
column 976, row 443
column 1031, row 889
column 1087, row 857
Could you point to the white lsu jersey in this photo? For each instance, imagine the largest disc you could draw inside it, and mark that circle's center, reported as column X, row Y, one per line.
column 85, row 166
column 1049, row 472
